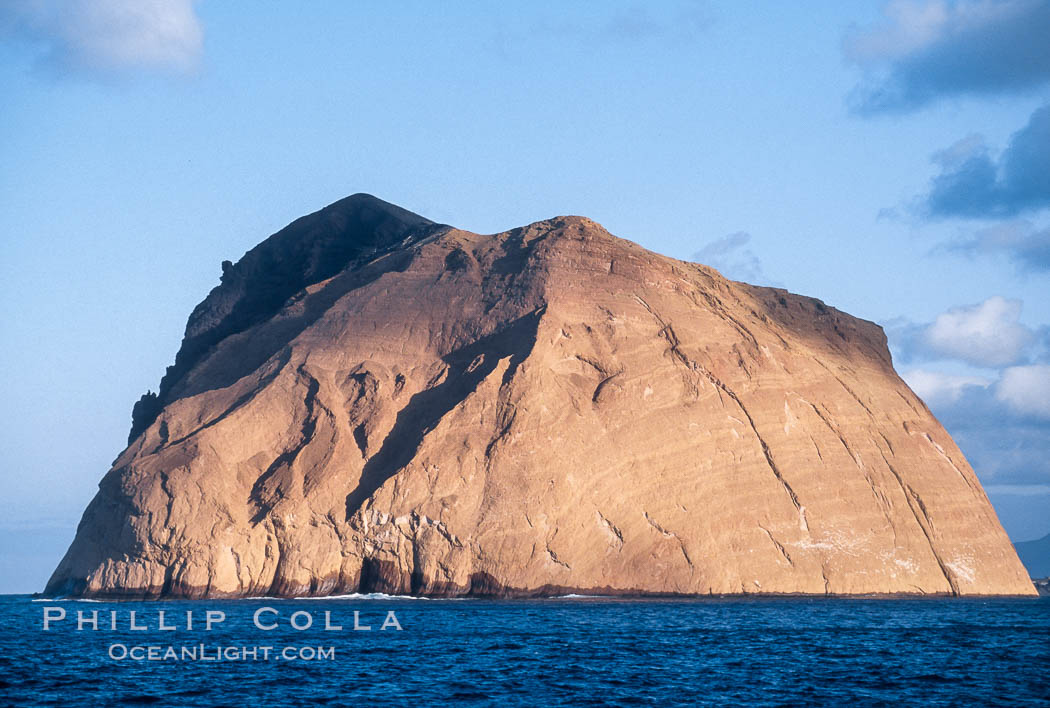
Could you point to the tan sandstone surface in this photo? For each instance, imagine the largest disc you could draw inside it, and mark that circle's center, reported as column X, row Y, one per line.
column 373, row 402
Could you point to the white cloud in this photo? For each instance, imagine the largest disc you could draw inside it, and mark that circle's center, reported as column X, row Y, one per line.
column 993, row 424
column 940, row 389
column 109, row 36
column 1026, row 389
column 987, row 334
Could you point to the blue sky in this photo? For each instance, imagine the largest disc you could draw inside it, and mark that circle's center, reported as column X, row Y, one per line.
column 892, row 159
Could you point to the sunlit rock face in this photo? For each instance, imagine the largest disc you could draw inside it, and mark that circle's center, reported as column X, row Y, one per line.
column 374, row 402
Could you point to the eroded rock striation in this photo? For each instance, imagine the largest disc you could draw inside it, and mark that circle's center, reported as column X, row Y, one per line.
column 373, row 402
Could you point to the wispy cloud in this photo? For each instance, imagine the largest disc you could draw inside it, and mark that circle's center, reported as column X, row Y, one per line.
column 107, row 37
column 731, row 256
column 633, row 23
column 1020, row 241
column 927, row 50
column 684, row 20
column 1018, row 490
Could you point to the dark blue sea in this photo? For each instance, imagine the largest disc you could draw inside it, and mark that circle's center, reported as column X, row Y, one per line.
column 572, row 651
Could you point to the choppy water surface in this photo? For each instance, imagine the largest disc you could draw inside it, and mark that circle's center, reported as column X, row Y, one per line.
column 576, row 651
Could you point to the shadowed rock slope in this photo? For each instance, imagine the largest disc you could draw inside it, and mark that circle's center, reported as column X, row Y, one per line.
column 373, row 402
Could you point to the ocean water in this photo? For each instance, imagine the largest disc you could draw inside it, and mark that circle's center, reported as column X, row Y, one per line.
column 568, row 651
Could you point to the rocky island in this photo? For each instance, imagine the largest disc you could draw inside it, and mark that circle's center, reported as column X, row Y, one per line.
column 370, row 401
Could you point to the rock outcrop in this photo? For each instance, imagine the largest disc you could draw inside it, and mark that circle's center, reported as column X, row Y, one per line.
column 373, row 402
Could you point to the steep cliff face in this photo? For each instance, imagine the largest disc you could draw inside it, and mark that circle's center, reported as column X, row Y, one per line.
column 545, row 410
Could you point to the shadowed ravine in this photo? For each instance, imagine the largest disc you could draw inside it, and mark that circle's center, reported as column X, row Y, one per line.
column 467, row 367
